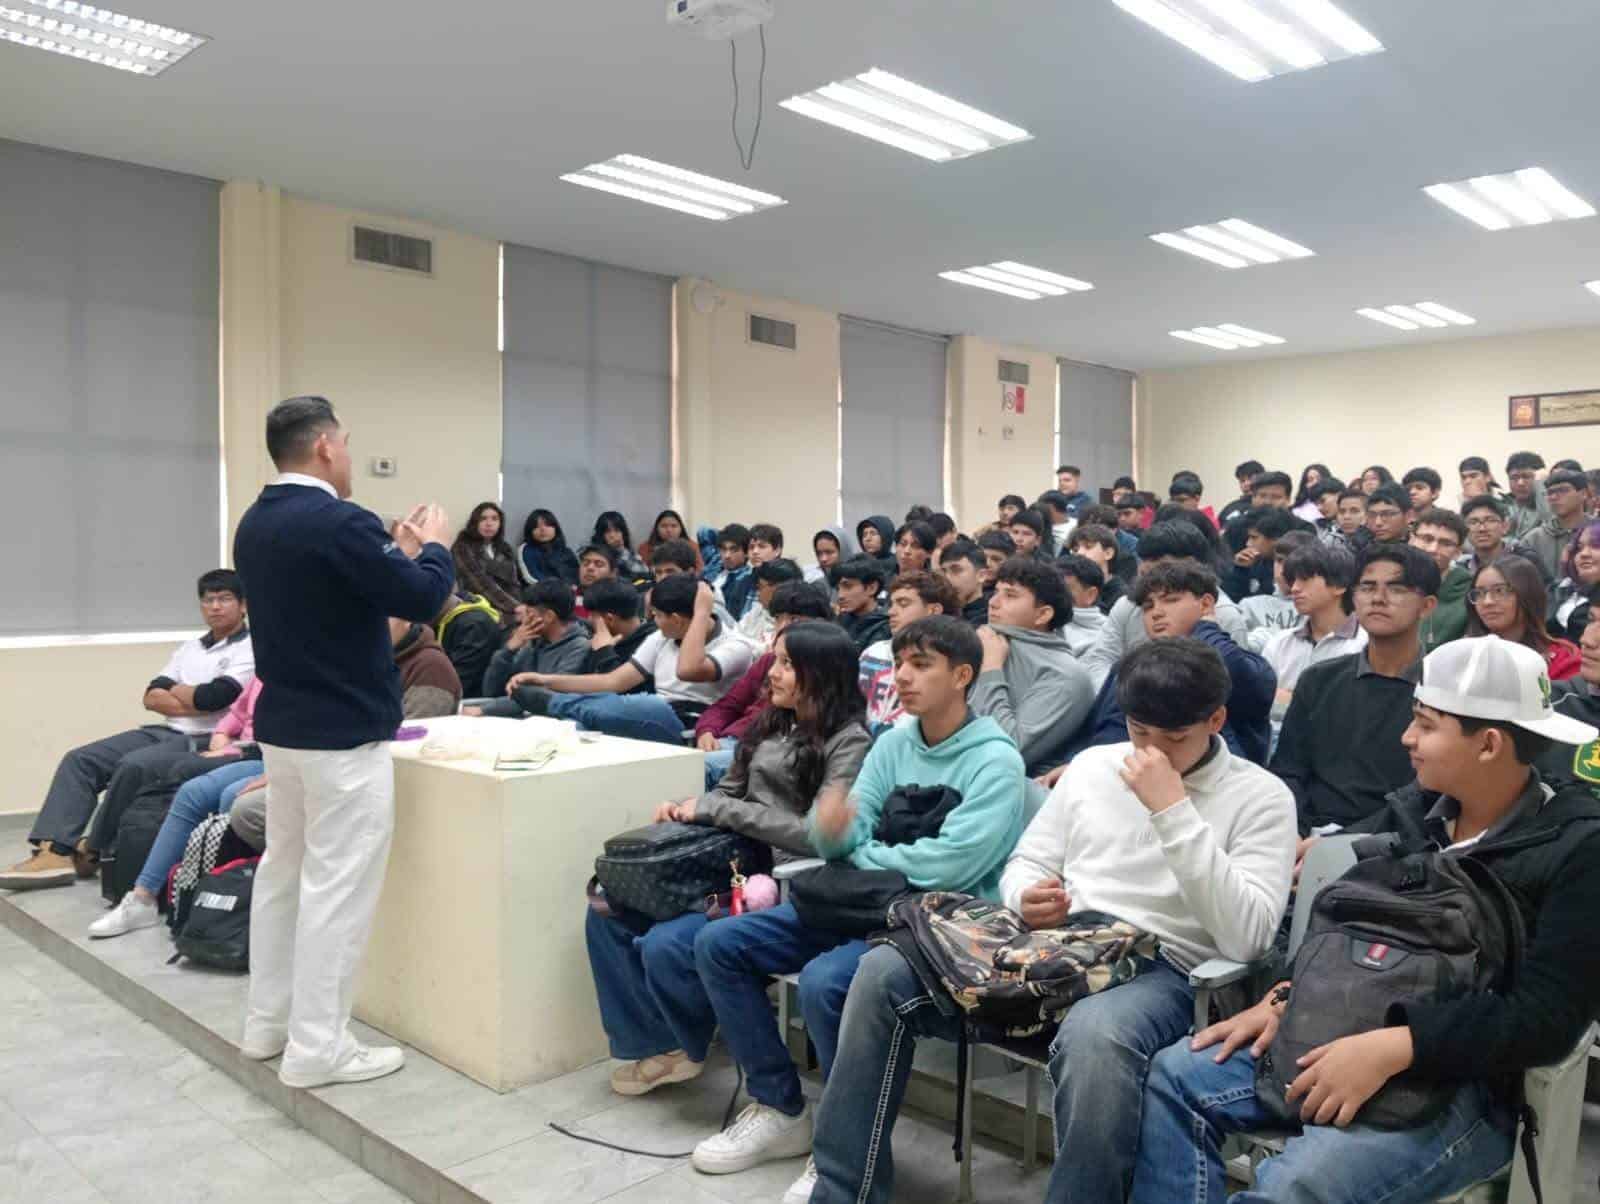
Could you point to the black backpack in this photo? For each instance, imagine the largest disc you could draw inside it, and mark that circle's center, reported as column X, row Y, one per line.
column 1395, row 928
column 217, row 931
column 667, row 869
column 136, row 835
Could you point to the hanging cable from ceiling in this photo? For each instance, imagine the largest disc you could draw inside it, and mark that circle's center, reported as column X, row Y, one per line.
column 748, row 159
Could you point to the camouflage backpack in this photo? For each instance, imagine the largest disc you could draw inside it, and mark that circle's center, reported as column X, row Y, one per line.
column 1005, row 978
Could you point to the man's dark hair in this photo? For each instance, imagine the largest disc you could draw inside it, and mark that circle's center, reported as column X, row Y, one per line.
column 942, row 525
column 1483, row 501
column 965, row 549
column 1124, row 483
column 1269, row 522
column 1172, row 684
column 1354, row 491
column 1393, row 493
column 679, row 553
column 1072, row 468
column 1128, row 501
column 599, row 549
column 1474, row 464
column 1013, row 499
column 1175, row 577
column 1566, row 466
column 776, row 572
column 1423, row 476
column 1251, row 469
column 1096, row 534
column 999, row 541
column 1526, row 746
column 1174, row 540
column 217, row 581
column 1417, row 569
column 866, row 569
column 767, row 533
column 1266, row 480
column 1291, row 542
column 1524, row 461
column 1324, row 487
column 931, row 588
column 1335, row 565
column 1054, row 499
column 1567, row 476
column 552, row 594
column 799, row 600
column 293, row 426
column 1438, row 516
column 922, row 533
column 918, row 514
column 1098, row 514
column 1085, row 571
column 1185, row 484
column 612, row 597
column 1041, row 580
column 675, row 595
column 950, row 636
column 1031, row 519
column 736, row 533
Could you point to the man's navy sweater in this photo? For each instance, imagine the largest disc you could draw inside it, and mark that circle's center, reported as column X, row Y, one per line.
column 323, row 578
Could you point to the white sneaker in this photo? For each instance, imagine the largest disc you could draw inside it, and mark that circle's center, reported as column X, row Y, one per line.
column 129, row 915
column 365, row 1062
column 800, row 1190
column 262, row 1050
column 759, row 1134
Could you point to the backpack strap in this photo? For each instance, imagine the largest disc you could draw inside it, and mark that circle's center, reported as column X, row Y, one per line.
column 963, row 1069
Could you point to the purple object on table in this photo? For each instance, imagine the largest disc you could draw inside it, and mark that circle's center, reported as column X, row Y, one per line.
column 414, row 731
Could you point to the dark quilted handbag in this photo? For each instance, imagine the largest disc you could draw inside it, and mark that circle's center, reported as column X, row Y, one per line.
column 667, row 869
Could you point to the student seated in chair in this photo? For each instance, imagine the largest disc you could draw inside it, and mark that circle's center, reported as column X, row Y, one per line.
column 547, row 639
column 912, row 596
column 860, row 579
column 190, row 695
column 693, row 658
column 962, row 563
column 807, row 738
column 936, row 661
column 733, row 585
column 1086, row 585
column 1168, row 831
column 1481, row 718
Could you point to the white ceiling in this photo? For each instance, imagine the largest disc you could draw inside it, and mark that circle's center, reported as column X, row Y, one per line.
column 465, row 115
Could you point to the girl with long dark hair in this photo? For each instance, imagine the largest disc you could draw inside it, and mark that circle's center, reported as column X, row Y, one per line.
column 669, row 524
column 1508, row 599
column 611, row 531
column 544, row 552
column 1304, row 505
column 809, row 737
column 485, row 564
column 1372, row 478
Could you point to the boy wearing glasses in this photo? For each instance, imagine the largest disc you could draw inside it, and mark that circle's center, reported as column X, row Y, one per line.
column 1442, row 534
column 1339, row 751
column 1488, row 535
column 1527, row 504
column 1566, row 493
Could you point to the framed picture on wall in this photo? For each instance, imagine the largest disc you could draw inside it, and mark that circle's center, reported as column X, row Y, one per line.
column 1532, row 411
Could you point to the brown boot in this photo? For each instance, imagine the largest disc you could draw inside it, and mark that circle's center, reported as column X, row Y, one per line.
column 85, row 860
column 44, row 868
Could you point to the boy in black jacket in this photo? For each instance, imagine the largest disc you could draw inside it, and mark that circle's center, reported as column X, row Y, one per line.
column 1482, row 718
column 860, row 579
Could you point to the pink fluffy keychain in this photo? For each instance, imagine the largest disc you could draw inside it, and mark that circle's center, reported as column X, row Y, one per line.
column 755, row 893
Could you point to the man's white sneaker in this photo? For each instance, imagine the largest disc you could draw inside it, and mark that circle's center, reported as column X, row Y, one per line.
column 759, row 1134
column 365, row 1062
column 800, row 1190
column 262, row 1050
column 129, row 915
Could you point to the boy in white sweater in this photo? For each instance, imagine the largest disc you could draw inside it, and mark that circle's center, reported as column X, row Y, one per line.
column 1170, row 832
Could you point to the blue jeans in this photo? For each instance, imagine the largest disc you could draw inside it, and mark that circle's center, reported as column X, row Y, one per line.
column 1191, row 1103
column 651, row 1000
column 736, row 956
column 210, row 794
column 719, row 762
column 1098, row 1062
column 636, row 716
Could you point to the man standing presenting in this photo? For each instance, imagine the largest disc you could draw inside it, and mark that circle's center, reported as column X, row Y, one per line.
column 329, row 577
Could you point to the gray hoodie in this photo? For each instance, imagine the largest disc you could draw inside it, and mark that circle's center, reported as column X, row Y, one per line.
column 1084, row 629
column 1124, row 631
column 1039, row 699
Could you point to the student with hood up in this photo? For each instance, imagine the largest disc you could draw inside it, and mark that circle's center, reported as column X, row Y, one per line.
column 875, row 535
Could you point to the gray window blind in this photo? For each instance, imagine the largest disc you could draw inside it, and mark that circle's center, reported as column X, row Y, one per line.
column 1097, row 423
column 109, row 451
column 894, row 400
column 586, row 385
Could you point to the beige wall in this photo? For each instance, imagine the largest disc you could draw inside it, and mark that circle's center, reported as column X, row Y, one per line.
column 757, row 430
column 1427, row 404
column 993, row 453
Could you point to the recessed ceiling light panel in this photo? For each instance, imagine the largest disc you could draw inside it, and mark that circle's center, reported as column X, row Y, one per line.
column 1593, row 286
column 899, row 113
column 95, row 35
column 1227, row 336
column 1233, row 244
column 1530, row 197
column 1257, row 39
column 1418, row 315
column 1017, row 280
column 670, row 187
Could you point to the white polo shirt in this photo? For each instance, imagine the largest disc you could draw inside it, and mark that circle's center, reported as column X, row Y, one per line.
column 198, row 661
column 658, row 657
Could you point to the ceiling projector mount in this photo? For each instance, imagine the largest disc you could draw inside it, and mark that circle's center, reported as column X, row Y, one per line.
column 724, row 21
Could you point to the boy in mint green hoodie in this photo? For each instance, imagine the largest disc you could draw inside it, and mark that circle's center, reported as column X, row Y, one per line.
column 941, row 744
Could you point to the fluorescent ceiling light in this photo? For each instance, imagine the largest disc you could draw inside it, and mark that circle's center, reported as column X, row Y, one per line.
column 1530, row 197
column 1227, row 336
column 1423, row 313
column 1018, row 280
column 95, row 35
column 1593, row 286
column 899, row 113
column 1233, row 244
column 1257, row 39
column 670, row 187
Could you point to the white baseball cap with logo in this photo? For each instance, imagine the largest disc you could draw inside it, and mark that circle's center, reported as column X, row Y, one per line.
column 1491, row 678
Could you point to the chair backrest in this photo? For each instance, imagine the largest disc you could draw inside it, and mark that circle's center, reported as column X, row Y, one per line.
column 1327, row 858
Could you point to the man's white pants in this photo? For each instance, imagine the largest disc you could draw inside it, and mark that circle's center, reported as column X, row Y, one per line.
column 330, row 814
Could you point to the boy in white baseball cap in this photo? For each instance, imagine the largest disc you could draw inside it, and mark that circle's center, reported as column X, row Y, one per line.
column 1482, row 717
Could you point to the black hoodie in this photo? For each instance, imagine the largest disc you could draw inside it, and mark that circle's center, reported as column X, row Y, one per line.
column 882, row 524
